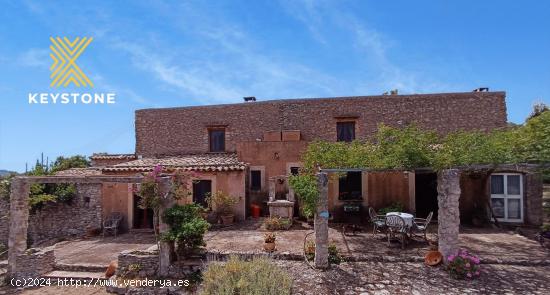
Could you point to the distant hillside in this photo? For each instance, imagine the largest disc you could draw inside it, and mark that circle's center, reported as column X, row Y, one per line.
column 4, row 172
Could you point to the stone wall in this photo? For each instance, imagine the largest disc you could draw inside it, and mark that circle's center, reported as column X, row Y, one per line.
column 140, row 264
column 185, row 130
column 60, row 220
column 34, row 263
column 532, row 199
column 145, row 264
column 4, row 222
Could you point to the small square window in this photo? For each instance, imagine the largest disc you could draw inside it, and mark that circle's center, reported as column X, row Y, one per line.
column 345, row 131
column 216, row 139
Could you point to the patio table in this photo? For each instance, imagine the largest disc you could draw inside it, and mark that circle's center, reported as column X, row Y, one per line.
column 408, row 218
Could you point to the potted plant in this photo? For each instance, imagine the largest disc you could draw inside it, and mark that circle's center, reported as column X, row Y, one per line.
column 223, row 205
column 269, row 239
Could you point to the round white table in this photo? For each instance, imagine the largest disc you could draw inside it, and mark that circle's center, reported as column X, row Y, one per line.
column 408, row 218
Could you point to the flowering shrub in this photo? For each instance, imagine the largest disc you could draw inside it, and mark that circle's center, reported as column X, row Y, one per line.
column 270, row 237
column 463, row 265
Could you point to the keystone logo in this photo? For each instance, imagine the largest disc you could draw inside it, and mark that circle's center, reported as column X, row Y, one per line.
column 64, row 68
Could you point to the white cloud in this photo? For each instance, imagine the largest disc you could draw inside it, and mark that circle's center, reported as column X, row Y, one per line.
column 35, row 58
column 374, row 47
column 229, row 72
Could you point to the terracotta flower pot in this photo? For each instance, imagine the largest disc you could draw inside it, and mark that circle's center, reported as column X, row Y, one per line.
column 227, row 219
column 269, row 247
column 433, row 258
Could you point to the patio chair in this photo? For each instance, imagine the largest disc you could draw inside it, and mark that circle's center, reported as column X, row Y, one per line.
column 396, row 229
column 421, row 225
column 378, row 221
column 111, row 223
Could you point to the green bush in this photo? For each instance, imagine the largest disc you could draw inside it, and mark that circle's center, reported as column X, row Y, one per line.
column 41, row 194
column 394, row 207
column 236, row 276
column 334, row 256
column 187, row 228
column 277, row 223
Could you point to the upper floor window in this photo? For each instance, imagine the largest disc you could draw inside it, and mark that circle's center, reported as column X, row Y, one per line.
column 216, row 138
column 345, row 131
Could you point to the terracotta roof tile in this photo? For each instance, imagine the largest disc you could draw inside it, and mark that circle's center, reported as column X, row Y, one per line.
column 112, row 156
column 200, row 162
column 79, row 172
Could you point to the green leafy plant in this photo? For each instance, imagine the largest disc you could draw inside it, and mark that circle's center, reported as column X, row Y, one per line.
column 277, row 223
column 221, row 203
column 136, row 267
column 5, row 187
column 394, row 207
column 334, row 256
column 257, row 277
column 187, row 228
column 411, row 147
column 305, row 186
column 463, row 265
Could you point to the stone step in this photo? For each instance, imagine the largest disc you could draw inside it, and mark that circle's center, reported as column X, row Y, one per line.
column 141, row 231
column 84, row 267
column 77, row 275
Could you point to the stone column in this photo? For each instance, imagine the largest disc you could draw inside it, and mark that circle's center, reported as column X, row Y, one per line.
column 165, row 248
column 19, row 222
column 321, row 222
column 272, row 188
column 448, row 188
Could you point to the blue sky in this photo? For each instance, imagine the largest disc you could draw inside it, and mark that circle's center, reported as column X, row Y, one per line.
column 175, row 53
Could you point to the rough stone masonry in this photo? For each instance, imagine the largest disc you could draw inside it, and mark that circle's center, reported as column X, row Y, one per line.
column 448, row 188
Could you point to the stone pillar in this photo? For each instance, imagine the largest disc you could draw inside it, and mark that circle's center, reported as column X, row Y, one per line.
column 532, row 198
column 321, row 222
column 19, row 222
column 272, row 188
column 165, row 248
column 448, row 188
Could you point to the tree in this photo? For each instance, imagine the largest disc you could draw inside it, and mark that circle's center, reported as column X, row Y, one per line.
column 538, row 109
column 62, row 163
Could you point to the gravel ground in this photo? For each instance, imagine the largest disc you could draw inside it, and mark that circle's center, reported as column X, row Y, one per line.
column 414, row 278
column 385, row 278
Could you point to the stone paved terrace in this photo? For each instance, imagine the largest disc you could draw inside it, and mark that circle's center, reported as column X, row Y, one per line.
column 98, row 251
column 492, row 245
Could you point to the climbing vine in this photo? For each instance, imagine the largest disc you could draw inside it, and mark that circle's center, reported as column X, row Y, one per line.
column 411, row 147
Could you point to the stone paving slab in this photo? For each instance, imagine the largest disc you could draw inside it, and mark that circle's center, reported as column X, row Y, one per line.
column 97, row 251
column 75, row 274
column 492, row 245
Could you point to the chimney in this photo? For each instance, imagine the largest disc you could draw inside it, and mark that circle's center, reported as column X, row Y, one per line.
column 481, row 89
column 249, row 98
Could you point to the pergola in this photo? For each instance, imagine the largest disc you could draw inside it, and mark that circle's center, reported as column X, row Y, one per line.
column 448, row 188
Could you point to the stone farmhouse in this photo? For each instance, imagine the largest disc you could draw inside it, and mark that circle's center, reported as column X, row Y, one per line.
column 246, row 150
